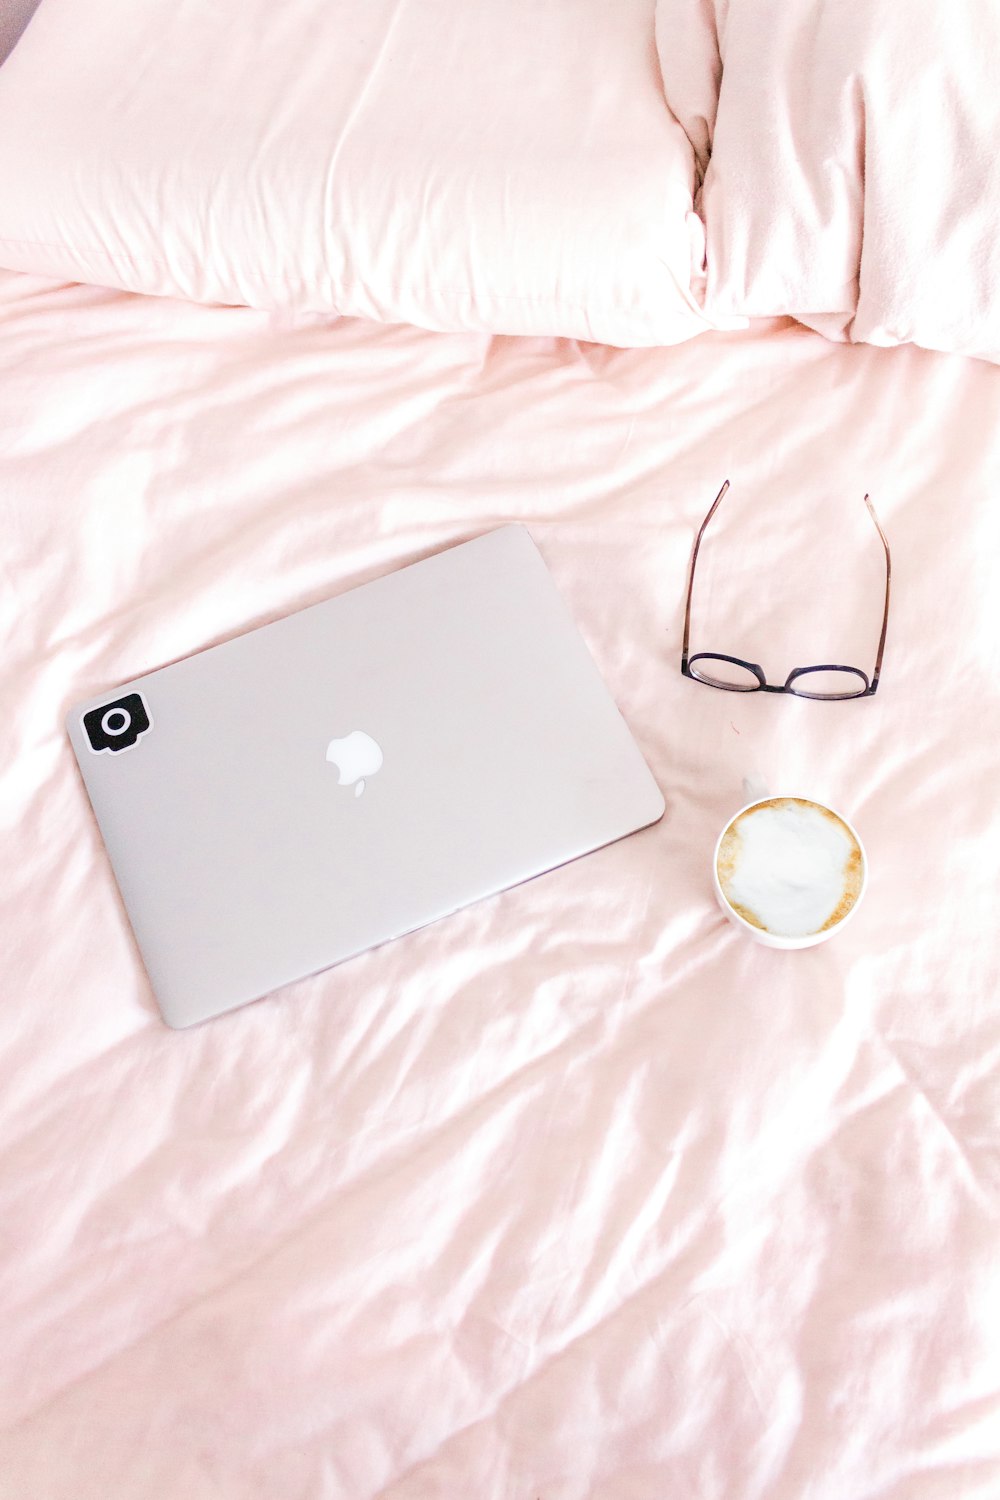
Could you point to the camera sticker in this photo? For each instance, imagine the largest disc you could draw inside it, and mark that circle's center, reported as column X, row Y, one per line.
column 117, row 725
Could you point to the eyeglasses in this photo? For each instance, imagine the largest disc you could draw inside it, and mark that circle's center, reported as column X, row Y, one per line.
column 737, row 676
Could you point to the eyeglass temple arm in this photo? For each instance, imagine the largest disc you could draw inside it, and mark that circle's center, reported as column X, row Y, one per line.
column 694, row 558
column 888, row 580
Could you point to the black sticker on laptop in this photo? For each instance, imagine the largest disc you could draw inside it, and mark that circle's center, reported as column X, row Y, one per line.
column 117, row 725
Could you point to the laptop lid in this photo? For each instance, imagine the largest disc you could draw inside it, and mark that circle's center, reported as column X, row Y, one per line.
column 308, row 790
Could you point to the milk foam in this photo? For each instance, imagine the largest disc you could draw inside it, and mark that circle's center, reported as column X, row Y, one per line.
column 790, row 867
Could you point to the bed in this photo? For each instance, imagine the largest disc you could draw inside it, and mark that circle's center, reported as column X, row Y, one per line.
column 578, row 1193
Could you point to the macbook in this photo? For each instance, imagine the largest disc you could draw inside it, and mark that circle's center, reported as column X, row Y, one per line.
column 302, row 793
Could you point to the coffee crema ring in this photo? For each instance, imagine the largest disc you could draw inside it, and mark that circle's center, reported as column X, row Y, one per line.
column 732, row 856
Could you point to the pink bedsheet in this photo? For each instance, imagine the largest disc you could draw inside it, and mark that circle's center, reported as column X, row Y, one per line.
column 577, row 1194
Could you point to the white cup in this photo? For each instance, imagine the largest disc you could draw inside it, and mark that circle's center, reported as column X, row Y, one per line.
column 774, row 939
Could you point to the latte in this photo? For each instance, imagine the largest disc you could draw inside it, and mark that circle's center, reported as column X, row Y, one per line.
column 790, row 867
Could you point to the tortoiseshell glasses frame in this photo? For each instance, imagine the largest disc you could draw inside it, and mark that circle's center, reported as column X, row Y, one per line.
column 804, row 682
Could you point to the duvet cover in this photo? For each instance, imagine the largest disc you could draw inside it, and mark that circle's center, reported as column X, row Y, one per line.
column 577, row 1193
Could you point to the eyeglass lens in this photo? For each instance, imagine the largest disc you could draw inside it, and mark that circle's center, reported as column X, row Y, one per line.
column 717, row 671
column 829, row 682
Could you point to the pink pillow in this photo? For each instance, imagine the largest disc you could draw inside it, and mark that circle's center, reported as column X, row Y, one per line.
column 496, row 165
column 849, row 154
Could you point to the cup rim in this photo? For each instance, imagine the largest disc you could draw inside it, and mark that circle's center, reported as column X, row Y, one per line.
column 779, row 939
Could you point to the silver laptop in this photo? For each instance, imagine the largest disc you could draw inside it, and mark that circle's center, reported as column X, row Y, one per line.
column 306, row 791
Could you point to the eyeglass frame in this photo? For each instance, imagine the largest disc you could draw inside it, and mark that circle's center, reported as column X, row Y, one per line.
column 762, row 685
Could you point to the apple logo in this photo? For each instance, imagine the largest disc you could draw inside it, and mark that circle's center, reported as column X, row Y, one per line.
column 356, row 756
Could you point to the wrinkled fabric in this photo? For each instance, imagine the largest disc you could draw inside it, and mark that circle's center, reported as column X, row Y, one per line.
column 578, row 1193
column 848, row 156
